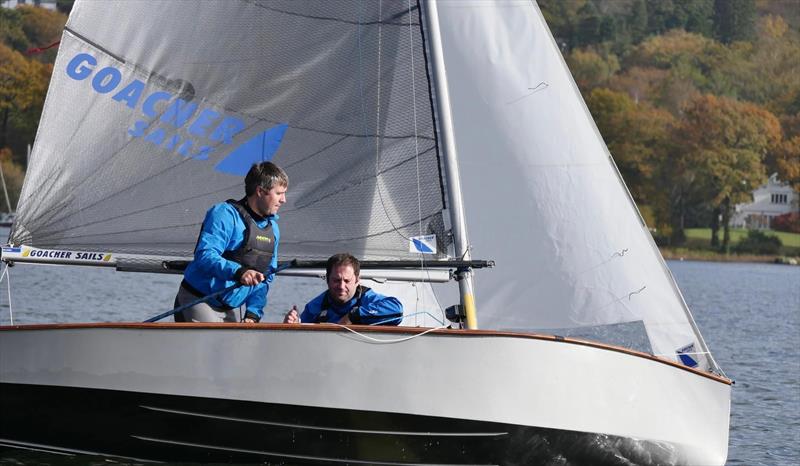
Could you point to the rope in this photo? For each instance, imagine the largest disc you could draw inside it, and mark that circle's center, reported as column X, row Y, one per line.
column 388, row 341
column 36, row 50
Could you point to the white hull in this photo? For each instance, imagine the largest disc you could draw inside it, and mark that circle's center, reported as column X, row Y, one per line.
column 499, row 378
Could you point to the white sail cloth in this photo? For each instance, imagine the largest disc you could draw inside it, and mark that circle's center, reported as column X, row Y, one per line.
column 157, row 109
column 542, row 195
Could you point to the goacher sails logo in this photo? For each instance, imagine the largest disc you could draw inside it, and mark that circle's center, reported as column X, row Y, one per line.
column 164, row 114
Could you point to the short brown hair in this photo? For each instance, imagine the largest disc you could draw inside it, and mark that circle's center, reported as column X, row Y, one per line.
column 343, row 259
column 266, row 175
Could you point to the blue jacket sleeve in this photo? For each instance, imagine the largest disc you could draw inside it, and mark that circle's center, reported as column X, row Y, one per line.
column 378, row 309
column 312, row 309
column 216, row 235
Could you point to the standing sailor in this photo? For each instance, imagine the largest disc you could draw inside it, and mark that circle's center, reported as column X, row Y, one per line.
column 238, row 243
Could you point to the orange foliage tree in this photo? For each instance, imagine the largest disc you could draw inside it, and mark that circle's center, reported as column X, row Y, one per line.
column 23, row 85
column 725, row 142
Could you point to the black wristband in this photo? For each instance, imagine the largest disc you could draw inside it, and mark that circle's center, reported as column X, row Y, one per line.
column 250, row 315
column 238, row 275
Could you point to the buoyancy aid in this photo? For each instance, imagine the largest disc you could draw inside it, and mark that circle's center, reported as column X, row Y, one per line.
column 326, row 304
column 258, row 245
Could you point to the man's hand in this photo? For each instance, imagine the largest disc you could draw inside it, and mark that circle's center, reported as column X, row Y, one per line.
column 251, row 277
column 345, row 320
column 292, row 317
column 248, row 320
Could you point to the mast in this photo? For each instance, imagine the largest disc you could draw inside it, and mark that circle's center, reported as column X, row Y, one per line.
column 441, row 101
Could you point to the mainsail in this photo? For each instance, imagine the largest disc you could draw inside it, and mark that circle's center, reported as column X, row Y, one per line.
column 155, row 112
column 156, row 115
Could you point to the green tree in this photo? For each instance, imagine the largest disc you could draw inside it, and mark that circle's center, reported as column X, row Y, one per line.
column 64, row 6
column 698, row 16
column 734, row 20
column 591, row 69
column 11, row 32
column 637, row 21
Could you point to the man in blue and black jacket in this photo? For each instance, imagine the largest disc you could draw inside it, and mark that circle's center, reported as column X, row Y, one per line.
column 238, row 243
column 346, row 301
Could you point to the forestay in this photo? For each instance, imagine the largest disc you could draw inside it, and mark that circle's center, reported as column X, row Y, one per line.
column 156, row 111
column 544, row 198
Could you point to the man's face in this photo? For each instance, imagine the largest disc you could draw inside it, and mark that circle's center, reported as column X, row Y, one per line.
column 268, row 202
column 342, row 283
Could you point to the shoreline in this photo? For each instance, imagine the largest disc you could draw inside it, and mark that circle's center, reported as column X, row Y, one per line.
column 711, row 256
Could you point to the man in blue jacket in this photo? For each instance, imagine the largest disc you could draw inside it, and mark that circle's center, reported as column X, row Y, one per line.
column 238, row 243
column 346, row 301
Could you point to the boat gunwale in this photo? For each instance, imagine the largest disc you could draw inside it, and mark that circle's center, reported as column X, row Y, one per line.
column 327, row 327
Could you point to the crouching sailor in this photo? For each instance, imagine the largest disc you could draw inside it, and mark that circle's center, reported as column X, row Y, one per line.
column 238, row 243
column 346, row 301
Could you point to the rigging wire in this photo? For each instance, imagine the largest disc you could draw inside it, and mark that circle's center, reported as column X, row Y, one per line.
column 378, row 135
column 416, row 146
column 7, row 275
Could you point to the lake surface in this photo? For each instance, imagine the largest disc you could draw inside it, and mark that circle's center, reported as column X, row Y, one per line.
column 749, row 315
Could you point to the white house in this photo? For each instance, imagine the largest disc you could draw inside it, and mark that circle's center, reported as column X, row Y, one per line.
column 46, row 4
column 769, row 201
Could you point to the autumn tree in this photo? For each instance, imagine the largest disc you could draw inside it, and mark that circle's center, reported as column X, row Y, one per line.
column 13, row 175
column 767, row 71
column 640, row 83
column 591, row 69
column 688, row 61
column 725, row 142
column 23, row 85
column 637, row 135
column 784, row 159
column 42, row 27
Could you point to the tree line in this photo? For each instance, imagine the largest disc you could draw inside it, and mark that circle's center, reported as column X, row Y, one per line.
column 24, row 77
column 697, row 100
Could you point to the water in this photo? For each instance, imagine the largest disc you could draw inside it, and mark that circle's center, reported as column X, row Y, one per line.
column 748, row 313
column 750, row 317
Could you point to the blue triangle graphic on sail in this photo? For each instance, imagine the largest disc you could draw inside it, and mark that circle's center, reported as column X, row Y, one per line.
column 687, row 360
column 421, row 247
column 260, row 148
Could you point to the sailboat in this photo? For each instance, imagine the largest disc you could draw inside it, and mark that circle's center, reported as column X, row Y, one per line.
column 424, row 137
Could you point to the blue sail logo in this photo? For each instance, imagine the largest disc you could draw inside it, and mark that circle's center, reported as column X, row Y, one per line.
column 261, row 148
column 174, row 124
